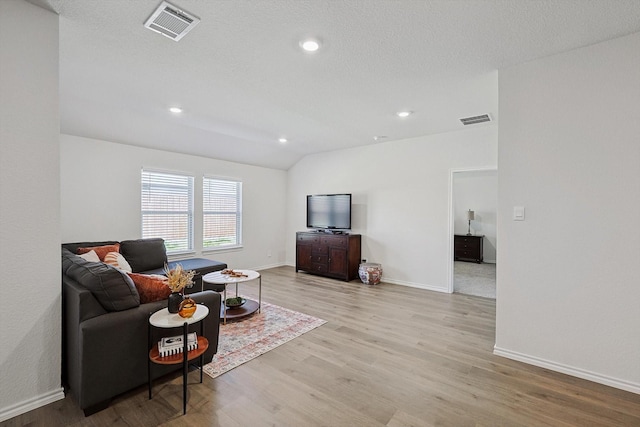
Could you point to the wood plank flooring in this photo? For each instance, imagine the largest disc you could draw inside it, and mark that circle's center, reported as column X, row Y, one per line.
column 388, row 356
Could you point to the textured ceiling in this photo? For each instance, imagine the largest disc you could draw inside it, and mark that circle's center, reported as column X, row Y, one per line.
column 243, row 82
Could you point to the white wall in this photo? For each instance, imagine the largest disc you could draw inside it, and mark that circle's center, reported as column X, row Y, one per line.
column 100, row 197
column 400, row 198
column 29, row 209
column 568, row 292
column 478, row 191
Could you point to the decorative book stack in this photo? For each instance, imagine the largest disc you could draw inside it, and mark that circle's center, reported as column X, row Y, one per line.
column 168, row 346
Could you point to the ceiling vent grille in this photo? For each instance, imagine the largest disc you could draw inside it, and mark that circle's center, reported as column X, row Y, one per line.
column 171, row 22
column 475, row 119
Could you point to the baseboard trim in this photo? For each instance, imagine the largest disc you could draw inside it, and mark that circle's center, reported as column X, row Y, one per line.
column 569, row 370
column 31, row 404
column 402, row 283
column 414, row 285
column 268, row 266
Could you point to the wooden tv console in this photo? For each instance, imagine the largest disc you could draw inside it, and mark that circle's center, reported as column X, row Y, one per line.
column 329, row 255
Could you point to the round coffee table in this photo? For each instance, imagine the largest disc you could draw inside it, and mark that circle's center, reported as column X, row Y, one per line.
column 249, row 306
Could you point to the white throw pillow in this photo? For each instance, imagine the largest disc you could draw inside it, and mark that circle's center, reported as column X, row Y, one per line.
column 90, row 256
column 118, row 261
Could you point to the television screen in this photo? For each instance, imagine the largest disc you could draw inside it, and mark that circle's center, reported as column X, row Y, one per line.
column 329, row 211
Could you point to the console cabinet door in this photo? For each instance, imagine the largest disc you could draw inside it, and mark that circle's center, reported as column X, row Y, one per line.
column 303, row 256
column 338, row 266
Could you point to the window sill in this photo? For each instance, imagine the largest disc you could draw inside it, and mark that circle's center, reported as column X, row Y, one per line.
column 223, row 249
column 177, row 256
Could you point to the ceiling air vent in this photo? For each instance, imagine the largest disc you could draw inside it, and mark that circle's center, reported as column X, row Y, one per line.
column 475, row 119
column 171, row 22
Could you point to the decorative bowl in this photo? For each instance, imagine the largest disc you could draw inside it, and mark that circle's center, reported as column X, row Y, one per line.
column 234, row 302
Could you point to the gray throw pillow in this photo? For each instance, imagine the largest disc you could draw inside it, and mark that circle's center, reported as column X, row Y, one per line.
column 113, row 288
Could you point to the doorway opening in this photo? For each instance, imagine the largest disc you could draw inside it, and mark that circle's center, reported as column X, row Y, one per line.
column 473, row 197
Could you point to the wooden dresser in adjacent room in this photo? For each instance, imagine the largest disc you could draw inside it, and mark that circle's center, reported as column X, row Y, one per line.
column 468, row 248
column 329, row 255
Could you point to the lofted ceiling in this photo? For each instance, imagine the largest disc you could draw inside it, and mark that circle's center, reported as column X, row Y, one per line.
column 244, row 82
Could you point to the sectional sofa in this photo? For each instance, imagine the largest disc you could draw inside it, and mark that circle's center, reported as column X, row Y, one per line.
column 105, row 326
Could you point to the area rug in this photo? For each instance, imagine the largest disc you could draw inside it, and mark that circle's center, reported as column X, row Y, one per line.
column 245, row 339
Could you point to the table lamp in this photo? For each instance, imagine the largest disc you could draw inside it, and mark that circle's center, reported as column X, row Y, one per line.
column 470, row 216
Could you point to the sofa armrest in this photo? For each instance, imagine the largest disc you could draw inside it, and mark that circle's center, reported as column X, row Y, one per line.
column 78, row 305
column 112, row 355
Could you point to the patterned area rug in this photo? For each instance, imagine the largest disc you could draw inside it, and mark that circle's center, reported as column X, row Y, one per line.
column 245, row 339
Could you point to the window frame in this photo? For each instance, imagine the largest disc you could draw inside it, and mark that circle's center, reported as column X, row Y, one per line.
column 237, row 212
column 145, row 191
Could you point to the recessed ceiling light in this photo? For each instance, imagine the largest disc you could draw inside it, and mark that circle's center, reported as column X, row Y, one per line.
column 282, row 140
column 175, row 109
column 310, row 45
column 379, row 137
column 404, row 114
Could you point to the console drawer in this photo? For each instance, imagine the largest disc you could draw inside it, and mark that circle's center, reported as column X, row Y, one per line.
column 320, row 259
column 308, row 238
column 320, row 249
column 335, row 241
column 319, row 268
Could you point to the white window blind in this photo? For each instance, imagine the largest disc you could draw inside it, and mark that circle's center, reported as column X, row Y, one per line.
column 167, row 209
column 222, row 213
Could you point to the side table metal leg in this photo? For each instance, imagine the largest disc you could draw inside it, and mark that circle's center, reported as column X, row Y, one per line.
column 202, row 355
column 185, row 369
column 224, row 304
column 149, row 344
column 260, row 294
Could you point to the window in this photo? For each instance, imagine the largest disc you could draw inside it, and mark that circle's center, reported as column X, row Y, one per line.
column 222, row 213
column 167, row 209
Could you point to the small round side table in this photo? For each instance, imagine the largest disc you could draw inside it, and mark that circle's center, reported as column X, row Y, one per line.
column 164, row 319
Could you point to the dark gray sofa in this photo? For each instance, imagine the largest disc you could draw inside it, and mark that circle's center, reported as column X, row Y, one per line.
column 105, row 328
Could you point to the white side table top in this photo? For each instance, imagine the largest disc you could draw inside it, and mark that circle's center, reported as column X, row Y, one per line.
column 164, row 319
column 217, row 278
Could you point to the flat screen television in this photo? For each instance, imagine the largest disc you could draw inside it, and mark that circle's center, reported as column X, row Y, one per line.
column 330, row 211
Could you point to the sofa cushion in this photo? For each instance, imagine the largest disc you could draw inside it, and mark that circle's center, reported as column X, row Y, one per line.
column 101, row 251
column 144, row 254
column 113, row 289
column 151, row 288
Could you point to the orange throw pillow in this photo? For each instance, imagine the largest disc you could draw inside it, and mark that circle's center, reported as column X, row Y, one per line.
column 101, row 251
column 150, row 287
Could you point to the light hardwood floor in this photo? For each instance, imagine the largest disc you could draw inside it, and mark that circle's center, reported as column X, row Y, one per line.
column 388, row 356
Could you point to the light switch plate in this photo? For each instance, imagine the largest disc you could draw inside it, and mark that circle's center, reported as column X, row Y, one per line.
column 518, row 213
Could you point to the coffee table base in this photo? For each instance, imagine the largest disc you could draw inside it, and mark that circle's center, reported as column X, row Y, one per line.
column 246, row 309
